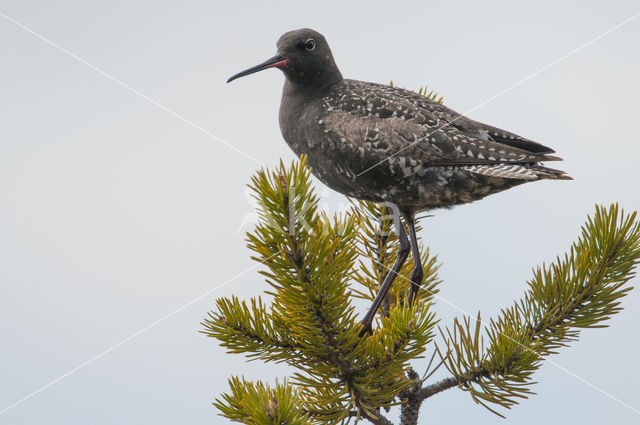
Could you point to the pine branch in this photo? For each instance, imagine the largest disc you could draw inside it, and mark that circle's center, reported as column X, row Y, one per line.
column 438, row 387
column 250, row 330
column 260, row 404
column 580, row 290
column 311, row 324
column 410, row 408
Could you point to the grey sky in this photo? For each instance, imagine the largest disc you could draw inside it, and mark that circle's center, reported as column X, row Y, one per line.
column 114, row 213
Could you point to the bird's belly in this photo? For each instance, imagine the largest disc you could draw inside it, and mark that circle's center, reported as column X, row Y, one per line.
column 344, row 179
column 445, row 187
column 430, row 188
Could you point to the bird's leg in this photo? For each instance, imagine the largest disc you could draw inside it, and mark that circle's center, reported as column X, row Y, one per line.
column 403, row 253
column 417, row 273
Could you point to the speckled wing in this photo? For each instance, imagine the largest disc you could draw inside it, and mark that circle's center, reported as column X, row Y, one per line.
column 479, row 130
column 383, row 124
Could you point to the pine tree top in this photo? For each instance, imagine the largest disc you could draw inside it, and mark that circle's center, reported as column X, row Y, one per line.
column 316, row 264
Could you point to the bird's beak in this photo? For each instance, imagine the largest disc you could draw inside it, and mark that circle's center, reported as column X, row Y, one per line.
column 278, row 61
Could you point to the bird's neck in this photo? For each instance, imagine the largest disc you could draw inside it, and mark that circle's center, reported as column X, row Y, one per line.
column 305, row 89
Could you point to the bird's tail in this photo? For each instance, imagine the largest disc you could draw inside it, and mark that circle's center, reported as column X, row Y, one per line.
column 550, row 173
column 518, row 171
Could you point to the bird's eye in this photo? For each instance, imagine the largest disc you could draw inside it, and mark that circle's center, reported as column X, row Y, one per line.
column 310, row 44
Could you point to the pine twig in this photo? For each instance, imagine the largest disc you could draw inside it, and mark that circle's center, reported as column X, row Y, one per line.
column 438, row 387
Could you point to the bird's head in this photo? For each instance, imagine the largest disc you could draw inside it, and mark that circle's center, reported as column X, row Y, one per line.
column 305, row 58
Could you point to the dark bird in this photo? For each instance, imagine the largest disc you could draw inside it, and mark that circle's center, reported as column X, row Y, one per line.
column 385, row 144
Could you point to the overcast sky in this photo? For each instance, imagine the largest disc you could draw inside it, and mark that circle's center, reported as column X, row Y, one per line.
column 123, row 201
